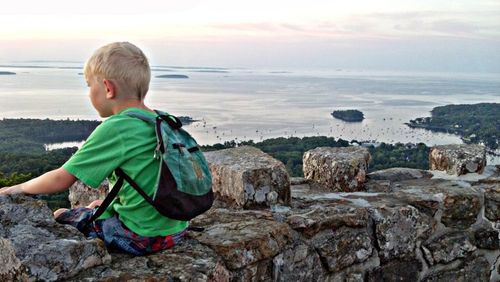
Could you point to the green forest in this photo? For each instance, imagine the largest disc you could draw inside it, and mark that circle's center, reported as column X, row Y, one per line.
column 22, row 151
column 477, row 123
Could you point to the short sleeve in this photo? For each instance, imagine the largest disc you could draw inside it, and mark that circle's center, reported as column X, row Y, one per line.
column 99, row 156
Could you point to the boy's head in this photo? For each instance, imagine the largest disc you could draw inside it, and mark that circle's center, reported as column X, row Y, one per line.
column 124, row 64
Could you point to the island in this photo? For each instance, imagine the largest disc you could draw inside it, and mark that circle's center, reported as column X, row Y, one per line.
column 7, row 73
column 476, row 123
column 172, row 76
column 185, row 120
column 348, row 115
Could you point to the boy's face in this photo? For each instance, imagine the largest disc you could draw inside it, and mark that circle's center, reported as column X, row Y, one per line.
column 97, row 94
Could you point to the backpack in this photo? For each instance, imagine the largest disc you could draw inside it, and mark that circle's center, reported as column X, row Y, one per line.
column 184, row 186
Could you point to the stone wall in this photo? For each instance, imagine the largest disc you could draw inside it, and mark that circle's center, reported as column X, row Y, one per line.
column 405, row 226
column 458, row 159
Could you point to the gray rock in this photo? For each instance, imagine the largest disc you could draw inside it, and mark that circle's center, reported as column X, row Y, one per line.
column 458, row 159
column 342, row 247
column 492, row 202
column 337, row 169
column 459, row 203
column 448, row 247
column 258, row 271
column 81, row 195
column 189, row 261
column 397, row 230
column 399, row 174
column 316, row 218
column 300, row 262
column 246, row 177
column 460, row 210
column 472, row 269
column 244, row 242
column 47, row 250
column 396, row 270
column 486, row 238
column 11, row 268
column 298, row 180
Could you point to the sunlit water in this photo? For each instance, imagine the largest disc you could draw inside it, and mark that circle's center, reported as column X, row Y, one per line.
column 244, row 104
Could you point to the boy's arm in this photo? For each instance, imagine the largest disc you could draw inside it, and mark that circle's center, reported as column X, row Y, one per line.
column 53, row 181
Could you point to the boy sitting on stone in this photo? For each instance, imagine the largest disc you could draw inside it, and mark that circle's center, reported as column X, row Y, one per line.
column 118, row 76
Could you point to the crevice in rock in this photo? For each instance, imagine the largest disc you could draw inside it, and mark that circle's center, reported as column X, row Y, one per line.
column 427, row 262
column 373, row 228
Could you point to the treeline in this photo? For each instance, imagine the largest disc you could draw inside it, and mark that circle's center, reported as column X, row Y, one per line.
column 22, row 150
column 23, row 155
column 290, row 152
column 477, row 123
column 46, row 130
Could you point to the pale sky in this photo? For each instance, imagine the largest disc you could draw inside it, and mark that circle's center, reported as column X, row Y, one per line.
column 445, row 35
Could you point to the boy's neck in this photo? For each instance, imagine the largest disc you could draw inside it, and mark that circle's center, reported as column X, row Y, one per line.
column 130, row 104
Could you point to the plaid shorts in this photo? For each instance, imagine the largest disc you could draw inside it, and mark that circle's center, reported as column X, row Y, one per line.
column 115, row 235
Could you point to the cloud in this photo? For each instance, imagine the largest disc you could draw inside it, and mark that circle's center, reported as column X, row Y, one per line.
column 478, row 24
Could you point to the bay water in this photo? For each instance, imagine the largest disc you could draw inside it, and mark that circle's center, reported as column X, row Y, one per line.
column 242, row 104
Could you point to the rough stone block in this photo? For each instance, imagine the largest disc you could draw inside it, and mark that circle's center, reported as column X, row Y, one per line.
column 459, row 203
column 397, row 230
column 486, row 238
column 11, row 268
column 300, row 262
column 81, row 195
column 189, row 261
column 471, row 269
column 343, row 247
column 399, row 174
column 337, row 169
column 492, row 203
column 309, row 221
column 460, row 210
column 458, row 159
column 47, row 250
column 246, row 177
column 246, row 242
column 448, row 247
column 396, row 270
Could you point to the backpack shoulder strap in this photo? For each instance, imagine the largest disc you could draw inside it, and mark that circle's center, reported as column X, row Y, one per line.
column 140, row 116
column 107, row 201
column 174, row 122
column 114, row 192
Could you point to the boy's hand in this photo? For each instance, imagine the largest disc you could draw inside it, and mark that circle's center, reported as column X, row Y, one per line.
column 11, row 190
column 54, row 181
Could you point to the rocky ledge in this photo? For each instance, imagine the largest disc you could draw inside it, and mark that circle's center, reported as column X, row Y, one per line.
column 405, row 225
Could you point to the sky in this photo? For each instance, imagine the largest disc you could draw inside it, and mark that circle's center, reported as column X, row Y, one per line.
column 420, row 35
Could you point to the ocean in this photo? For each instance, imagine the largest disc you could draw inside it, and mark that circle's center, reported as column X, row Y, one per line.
column 242, row 103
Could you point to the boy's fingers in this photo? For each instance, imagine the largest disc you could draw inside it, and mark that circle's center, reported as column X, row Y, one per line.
column 3, row 191
column 10, row 190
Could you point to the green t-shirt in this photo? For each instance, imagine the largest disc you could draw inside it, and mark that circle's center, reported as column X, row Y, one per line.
column 128, row 143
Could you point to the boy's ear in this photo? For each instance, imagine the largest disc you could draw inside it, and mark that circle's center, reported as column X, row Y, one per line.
column 110, row 89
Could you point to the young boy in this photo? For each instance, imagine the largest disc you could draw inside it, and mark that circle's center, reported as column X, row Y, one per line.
column 118, row 76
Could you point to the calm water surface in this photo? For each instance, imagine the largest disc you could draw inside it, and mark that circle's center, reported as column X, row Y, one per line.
column 243, row 104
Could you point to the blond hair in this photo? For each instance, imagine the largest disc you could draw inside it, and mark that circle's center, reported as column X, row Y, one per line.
column 124, row 64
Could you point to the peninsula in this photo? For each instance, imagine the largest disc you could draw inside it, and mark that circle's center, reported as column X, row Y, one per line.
column 476, row 123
